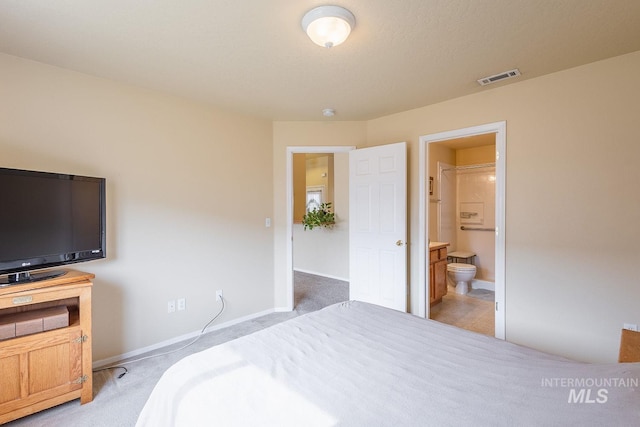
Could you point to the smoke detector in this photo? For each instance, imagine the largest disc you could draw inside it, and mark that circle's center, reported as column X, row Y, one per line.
column 498, row 77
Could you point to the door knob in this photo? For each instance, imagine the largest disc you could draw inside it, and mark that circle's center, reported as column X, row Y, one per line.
column 399, row 243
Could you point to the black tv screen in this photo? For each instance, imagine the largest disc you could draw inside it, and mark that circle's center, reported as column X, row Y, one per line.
column 47, row 220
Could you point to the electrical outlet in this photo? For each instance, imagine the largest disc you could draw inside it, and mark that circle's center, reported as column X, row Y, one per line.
column 630, row 326
column 171, row 306
column 182, row 304
column 219, row 295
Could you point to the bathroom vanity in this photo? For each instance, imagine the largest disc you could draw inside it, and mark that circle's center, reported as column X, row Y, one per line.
column 437, row 271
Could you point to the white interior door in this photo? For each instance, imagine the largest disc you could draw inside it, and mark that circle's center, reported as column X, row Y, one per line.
column 378, row 225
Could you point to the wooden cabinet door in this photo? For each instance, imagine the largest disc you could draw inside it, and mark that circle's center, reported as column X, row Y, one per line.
column 39, row 367
column 440, row 278
column 432, row 287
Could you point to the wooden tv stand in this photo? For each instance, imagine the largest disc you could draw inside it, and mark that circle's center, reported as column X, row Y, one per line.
column 48, row 368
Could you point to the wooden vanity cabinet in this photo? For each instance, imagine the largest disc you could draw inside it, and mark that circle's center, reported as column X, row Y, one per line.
column 437, row 274
column 45, row 369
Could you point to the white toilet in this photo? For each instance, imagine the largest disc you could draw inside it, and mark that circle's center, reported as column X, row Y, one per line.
column 461, row 274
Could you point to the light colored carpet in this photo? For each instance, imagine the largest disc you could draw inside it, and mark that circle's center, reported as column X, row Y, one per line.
column 118, row 401
column 315, row 292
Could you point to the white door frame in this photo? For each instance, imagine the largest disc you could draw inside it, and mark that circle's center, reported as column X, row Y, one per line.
column 500, row 129
column 289, row 251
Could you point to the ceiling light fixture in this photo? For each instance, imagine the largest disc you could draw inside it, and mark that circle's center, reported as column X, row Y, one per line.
column 328, row 112
column 328, row 26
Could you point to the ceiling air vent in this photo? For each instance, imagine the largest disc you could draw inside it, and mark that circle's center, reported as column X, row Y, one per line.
column 497, row 77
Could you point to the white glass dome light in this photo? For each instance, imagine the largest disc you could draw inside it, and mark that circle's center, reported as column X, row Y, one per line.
column 328, row 26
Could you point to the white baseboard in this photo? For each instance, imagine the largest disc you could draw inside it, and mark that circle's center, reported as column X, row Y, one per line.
column 483, row 284
column 315, row 273
column 115, row 359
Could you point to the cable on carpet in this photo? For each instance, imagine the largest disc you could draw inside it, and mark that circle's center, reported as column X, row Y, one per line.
column 119, row 366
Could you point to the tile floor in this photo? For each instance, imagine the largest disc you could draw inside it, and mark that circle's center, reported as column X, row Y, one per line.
column 465, row 312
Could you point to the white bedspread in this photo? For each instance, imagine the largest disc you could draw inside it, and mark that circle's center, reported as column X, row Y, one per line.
column 355, row 364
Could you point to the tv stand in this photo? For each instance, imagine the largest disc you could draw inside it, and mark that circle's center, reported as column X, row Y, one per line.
column 45, row 369
column 28, row 277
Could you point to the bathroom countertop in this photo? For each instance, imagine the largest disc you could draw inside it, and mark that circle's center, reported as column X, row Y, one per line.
column 437, row 245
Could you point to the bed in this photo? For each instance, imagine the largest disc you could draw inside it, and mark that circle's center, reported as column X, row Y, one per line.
column 357, row 364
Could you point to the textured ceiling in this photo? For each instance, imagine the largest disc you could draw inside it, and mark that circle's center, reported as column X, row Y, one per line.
column 252, row 57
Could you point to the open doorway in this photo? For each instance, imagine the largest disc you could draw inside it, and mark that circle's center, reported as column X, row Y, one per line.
column 320, row 263
column 318, row 258
column 462, row 227
column 462, row 217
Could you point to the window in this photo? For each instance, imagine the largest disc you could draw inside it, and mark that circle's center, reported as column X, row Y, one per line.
column 315, row 197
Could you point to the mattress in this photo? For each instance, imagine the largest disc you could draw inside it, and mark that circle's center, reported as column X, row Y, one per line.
column 357, row 364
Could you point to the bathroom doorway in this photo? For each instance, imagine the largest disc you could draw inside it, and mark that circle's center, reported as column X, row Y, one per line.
column 462, row 177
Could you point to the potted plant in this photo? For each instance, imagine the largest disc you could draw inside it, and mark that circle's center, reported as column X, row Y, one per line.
column 319, row 217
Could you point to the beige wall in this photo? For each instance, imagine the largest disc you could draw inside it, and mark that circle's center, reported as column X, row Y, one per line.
column 572, row 213
column 186, row 205
column 476, row 155
column 299, row 186
column 318, row 171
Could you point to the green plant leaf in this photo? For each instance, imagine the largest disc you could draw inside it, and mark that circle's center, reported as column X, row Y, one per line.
column 319, row 217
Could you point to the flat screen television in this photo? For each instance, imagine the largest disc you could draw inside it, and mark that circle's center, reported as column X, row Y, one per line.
column 48, row 220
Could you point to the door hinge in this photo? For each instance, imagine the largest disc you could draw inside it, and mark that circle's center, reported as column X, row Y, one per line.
column 81, row 339
column 81, row 380
column 496, row 305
